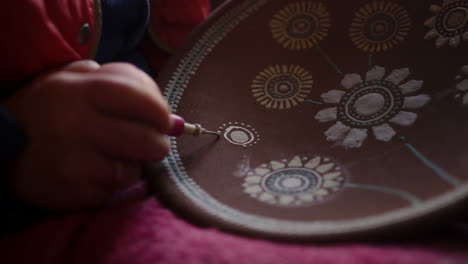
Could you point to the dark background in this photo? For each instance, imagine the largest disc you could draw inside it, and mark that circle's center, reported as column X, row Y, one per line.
column 216, row 3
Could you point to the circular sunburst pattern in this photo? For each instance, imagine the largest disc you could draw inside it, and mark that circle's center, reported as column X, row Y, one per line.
column 379, row 26
column 296, row 182
column 449, row 23
column 300, row 25
column 239, row 134
column 282, row 87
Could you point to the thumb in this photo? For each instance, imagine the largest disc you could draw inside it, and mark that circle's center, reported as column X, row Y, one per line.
column 82, row 66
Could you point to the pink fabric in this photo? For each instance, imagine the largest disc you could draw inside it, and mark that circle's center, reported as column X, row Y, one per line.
column 139, row 230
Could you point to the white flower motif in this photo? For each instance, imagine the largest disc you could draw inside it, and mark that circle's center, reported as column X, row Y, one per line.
column 449, row 23
column 295, row 182
column 462, row 86
column 372, row 103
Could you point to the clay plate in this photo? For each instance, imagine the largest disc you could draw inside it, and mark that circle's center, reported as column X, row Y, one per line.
column 339, row 119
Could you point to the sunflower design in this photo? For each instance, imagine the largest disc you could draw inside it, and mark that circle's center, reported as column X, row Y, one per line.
column 462, row 86
column 239, row 134
column 296, row 182
column 379, row 26
column 449, row 23
column 371, row 104
column 300, row 25
column 281, row 87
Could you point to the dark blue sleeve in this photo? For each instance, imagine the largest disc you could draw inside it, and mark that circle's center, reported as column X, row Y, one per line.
column 14, row 214
column 12, row 137
column 124, row 25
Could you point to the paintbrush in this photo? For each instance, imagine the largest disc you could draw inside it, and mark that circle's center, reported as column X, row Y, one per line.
column 181, row 127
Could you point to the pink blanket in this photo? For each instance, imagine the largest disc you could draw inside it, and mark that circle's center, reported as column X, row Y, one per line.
column 138, row 230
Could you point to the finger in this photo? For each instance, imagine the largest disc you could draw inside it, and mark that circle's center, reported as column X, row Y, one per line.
column 129, row 94
column 82, row 66
column 126, row 173
column 94, row 178
column 90, row 177
column 126, row 139
column 126, row 69
column 147, row 86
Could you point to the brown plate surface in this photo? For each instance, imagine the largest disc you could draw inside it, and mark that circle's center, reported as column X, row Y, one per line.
column 338, row 118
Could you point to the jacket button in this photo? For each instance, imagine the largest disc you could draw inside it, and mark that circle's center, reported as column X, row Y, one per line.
column 84, row 34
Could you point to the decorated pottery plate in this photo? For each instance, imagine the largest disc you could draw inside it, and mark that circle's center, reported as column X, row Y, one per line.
column 338, row 119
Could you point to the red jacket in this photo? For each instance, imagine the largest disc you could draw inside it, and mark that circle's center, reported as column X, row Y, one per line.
column 42, row 34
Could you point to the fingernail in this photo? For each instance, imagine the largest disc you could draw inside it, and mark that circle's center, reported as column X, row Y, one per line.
column 178, row 125
column 91, row 64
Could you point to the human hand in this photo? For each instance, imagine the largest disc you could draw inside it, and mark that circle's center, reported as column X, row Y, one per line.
column 88, row 127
